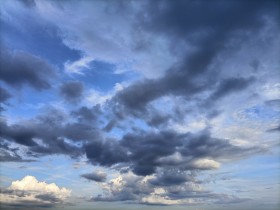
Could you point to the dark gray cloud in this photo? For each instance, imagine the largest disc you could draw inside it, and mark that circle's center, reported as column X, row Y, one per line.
column 110, row 125
column 171, row 177
column 85, row 114
column 145, row 153
column 105, row 152
column 231, row 85
column 72, row 91
column 97, row 176
column 210, row 28
column 134, row 98
column 46, row 134
column 4, row 95
column 183, row 18
column 145, row 149
column 20, row 68
column 48, row 197
column 274, row 129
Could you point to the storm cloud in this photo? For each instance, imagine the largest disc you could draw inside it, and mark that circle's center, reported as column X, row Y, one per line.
column 192, row 86
column 20, row 68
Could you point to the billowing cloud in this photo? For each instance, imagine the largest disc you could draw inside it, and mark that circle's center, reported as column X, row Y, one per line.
column 200, row 90
column 20, row 68
column 29, row 192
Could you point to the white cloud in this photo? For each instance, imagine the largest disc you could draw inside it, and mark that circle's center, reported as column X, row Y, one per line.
column 271, row 91
column 205, row 164
column 78, row 66
column 95, row 97
column 159, row 200
column 30, row 191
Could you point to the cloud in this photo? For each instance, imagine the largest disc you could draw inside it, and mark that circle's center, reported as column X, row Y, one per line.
column 161, row 189
column 126, row 187
column 85, row 114
column 231, row 85
column 171, row 177
column 72, row 91
column 20, row 68
column 4, row 95
column 205, row 164
column 29, row 192
column 45, row 134
column 78, row 66
column 145, row 153
column 274, row 129
column 9, row 154
column 131, row 49
column 97, row 176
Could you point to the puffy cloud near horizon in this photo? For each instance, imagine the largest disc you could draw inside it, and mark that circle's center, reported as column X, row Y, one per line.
column 29, row 192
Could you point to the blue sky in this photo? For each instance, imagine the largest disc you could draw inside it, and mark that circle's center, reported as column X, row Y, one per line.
column 139, row 104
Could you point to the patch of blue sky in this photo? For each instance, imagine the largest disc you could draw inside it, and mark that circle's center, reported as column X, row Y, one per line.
column 129, row 125
column 8, row 169
column 28, row 102
column 257, row 167
column 49, row 168
column 102, row 77
column 260, row 112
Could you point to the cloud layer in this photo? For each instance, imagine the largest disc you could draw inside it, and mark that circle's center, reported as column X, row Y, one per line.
column 193, row 86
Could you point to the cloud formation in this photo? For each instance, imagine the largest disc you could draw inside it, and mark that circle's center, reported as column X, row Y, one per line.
column 97, row 176
column 29, row 192
column 20, row 68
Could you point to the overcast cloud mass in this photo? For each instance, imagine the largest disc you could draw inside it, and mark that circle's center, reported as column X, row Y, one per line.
column 131, row 104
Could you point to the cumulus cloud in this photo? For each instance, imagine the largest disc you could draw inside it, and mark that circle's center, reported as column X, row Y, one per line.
column 29, row 192
column 161, row 189
column 20, row 68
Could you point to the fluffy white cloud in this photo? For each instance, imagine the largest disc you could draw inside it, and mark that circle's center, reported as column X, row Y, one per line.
column 30, row 191
column 205, row 164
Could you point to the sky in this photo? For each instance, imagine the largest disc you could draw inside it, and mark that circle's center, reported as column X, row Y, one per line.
column 140, row 104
